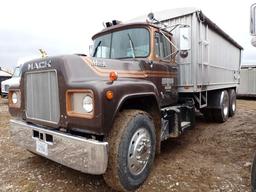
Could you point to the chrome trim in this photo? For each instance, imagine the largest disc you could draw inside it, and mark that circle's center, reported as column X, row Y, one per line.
column 139, row 151
column 85, row 155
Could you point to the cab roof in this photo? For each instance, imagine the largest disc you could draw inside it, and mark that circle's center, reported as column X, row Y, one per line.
column 123, row 26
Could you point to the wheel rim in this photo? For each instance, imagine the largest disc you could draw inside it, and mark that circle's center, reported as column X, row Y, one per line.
column 225, row 111
column 139, row 151
column 234, row 106
column 225, row 105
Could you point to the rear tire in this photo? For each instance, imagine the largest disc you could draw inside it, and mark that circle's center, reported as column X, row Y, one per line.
column 131, row 150
column 221, row 114
column 232, row 102
column 208, row 114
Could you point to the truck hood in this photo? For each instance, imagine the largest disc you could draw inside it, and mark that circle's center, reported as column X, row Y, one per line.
column 77, row 68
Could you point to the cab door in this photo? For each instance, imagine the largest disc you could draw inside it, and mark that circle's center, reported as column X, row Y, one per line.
column 166, row 68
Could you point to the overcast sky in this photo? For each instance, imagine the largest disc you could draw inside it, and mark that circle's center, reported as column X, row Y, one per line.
column 63, row 27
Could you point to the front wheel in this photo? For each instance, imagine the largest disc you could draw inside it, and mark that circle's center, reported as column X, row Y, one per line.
column 131, row 150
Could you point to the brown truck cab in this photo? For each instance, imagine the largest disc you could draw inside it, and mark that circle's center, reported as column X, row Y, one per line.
column 108, row 113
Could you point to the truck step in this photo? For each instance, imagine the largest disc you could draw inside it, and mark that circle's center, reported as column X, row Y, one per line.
column 185, row 125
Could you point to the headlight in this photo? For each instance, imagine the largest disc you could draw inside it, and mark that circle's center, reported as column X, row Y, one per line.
column 14, row 98
column 88, row 104
column 80, row 103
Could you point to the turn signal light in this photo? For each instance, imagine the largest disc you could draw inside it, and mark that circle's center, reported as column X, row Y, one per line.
column 109, row 95
column 113, row 76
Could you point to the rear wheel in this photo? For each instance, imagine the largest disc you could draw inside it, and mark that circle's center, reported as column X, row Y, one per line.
column 232, row 102
column 131, row 150
column 208, row 114
column 221, row 114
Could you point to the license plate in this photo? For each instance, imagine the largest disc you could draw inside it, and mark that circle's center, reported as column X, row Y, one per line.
column 41, row 147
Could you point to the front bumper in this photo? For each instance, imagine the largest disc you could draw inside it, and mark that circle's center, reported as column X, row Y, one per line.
column 85, row 155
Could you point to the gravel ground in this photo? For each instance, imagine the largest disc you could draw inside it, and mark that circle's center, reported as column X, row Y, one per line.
column 211, row 157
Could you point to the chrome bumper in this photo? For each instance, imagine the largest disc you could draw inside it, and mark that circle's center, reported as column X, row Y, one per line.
column 85, row 155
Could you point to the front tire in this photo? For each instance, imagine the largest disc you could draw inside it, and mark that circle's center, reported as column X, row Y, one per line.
column 131, row 150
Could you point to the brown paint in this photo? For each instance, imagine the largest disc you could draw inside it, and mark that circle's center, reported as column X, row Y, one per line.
column 136, row 78
column 122, row 73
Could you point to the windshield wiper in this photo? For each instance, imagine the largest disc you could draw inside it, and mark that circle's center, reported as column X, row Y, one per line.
column 96, row 49
column 131, row 45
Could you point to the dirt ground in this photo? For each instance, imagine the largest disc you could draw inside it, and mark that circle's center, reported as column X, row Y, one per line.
column 211, row 157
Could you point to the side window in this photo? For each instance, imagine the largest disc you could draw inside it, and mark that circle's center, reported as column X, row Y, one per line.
column 162, row 46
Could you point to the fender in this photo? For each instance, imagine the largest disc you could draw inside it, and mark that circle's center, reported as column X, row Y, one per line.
column 123, row 91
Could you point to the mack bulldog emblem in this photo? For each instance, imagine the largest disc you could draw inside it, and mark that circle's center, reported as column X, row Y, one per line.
column 40, row 65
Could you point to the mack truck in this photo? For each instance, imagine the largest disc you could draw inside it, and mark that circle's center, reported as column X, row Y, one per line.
column 107, row 114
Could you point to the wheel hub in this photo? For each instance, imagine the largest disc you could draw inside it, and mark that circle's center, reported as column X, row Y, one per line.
column 225, row 104
column 139, row 151
column 233, row 106
column 226, row 111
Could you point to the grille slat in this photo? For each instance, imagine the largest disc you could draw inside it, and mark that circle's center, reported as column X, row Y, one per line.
column 42, row 96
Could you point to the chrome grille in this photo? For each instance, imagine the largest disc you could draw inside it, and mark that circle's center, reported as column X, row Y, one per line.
column 42, row 96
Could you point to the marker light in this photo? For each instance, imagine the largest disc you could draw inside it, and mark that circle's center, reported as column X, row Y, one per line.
column 109, row 95
column 113, row 76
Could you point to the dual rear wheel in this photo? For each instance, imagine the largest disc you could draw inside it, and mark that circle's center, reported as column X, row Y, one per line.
column 224, row 108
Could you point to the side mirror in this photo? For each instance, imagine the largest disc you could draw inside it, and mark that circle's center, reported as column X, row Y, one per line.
column 185, row 39
column 253, row 20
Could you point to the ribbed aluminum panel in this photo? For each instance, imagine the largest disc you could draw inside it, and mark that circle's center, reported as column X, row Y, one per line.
column 212, row 63
column 42, row 96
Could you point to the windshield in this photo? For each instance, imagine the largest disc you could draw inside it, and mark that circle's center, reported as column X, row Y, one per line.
column 16, row 72
column 128, row 43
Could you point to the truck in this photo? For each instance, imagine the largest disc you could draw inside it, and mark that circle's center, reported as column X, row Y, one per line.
column 4, row 75
column 14, row 80
column 107, row 114
column 247, row 87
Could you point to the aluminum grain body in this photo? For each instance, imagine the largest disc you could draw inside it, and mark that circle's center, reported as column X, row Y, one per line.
column 85, row 155
column 213, row 62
